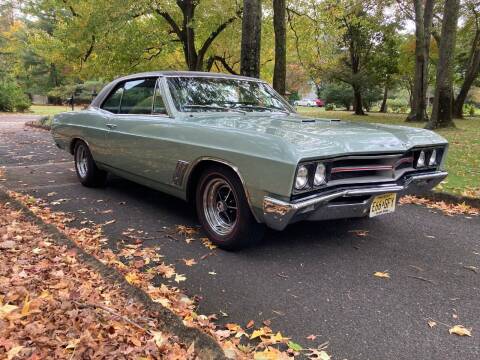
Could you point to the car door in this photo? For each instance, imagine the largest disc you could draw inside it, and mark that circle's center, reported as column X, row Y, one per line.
column 135, row 135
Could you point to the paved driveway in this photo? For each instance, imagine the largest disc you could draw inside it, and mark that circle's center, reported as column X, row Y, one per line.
column 313, row 278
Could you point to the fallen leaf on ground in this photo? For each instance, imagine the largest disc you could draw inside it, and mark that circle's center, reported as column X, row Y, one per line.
column 14, row 351
column 257, row 333
column 179, row 278
column 382, row 274
column 460, row 330
column 186, row 230
column 431, row 323
column 6, row 309
column 208, row 244
column 317, row 354
column 294, row 346
column 447, row 209
column 359, row 233
column 471, row 268
column 189, row 262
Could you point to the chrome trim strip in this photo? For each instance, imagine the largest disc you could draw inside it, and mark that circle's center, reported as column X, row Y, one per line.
column 230, row 165
column 179, row 173
column 361, row 168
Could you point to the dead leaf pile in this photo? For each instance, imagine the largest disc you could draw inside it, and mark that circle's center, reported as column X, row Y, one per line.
column 447, row 209
column 140, row 265
column 53, row 306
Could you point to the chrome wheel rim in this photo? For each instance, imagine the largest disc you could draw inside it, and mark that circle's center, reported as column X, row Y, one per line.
column 81, row 161
column 220, row 206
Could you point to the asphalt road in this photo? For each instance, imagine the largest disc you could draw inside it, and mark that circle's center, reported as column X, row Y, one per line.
column 312, row 278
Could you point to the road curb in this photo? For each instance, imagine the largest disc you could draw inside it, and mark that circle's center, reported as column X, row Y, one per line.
column 205, row 346
column 34, row 125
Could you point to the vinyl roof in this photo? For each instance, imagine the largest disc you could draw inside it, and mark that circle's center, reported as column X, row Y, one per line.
column 187, row 74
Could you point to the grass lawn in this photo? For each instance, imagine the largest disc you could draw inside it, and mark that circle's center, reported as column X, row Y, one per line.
column 463, row 160
column 49, row 109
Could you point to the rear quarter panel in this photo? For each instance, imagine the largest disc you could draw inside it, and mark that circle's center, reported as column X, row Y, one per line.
column 88, row 125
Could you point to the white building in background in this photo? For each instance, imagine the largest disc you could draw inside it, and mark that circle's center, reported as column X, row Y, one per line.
column 39, row 100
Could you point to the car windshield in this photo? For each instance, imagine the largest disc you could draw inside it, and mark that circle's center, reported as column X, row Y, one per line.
column 192, row 94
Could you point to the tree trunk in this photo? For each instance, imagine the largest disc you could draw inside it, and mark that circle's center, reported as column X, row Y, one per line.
column 279, row 26
column 423, row 24
column 189, row 50
column 383, row 107
column 357, row 101
column 443, row 100
column 470, row 76
column 251, row 38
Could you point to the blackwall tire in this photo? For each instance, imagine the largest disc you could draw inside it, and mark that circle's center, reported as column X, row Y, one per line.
column 223, row 210
column 87, row 171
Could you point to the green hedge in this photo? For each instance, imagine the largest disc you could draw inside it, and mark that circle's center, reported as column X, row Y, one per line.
column 12, row 97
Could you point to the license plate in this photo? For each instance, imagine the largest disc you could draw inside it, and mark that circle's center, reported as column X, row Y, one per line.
column 383, row 204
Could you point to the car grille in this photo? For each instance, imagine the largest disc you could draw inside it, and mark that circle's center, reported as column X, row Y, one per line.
column 379, row 168
column 362, row 170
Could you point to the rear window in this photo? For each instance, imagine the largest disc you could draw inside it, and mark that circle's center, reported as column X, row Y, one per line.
column 112, row 103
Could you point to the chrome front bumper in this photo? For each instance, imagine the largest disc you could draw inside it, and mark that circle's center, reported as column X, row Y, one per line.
column 277, row 214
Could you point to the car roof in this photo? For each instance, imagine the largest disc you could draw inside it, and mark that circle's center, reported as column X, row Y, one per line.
column 186, row 74
column 106, row 90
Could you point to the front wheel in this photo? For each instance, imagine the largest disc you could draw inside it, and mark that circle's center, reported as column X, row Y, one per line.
column 87, row 171
column 223, row 210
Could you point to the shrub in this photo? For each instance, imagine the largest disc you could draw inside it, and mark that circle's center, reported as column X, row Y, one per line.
column 329, row 107
column 12, row 97
column 398, row 105
column 469, row 109
column 338, row 94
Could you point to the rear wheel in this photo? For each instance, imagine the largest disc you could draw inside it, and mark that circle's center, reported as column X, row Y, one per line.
column 223, row 210
column 87, row 171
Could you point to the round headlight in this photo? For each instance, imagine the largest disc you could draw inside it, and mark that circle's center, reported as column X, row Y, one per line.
column 320, row 177
column 302, row 178
column 433, row 158
column 421, row 159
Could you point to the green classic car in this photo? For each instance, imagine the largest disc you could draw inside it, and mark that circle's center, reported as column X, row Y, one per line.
column 238, row 151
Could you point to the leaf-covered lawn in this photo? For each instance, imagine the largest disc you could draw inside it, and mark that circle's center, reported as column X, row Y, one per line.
column 53, row 306
column 77, row 291
column 463, row 161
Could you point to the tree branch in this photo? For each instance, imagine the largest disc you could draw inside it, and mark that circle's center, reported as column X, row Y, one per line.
column 213, row 35
column 223, row 61
column 174, row 26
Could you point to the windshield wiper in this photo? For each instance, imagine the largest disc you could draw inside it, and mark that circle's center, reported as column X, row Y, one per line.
column 259, row 107
column 215, row 107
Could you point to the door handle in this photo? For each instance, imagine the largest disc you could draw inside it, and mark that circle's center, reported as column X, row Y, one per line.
column 111, row 126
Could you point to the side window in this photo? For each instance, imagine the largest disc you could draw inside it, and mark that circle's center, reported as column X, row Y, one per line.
column 158, row 103
column 138, row 96
column 112, row 103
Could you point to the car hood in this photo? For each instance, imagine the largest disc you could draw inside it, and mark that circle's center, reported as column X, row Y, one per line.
column 315, row 137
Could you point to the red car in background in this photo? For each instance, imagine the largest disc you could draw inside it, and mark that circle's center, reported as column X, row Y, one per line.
column 320, row 102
